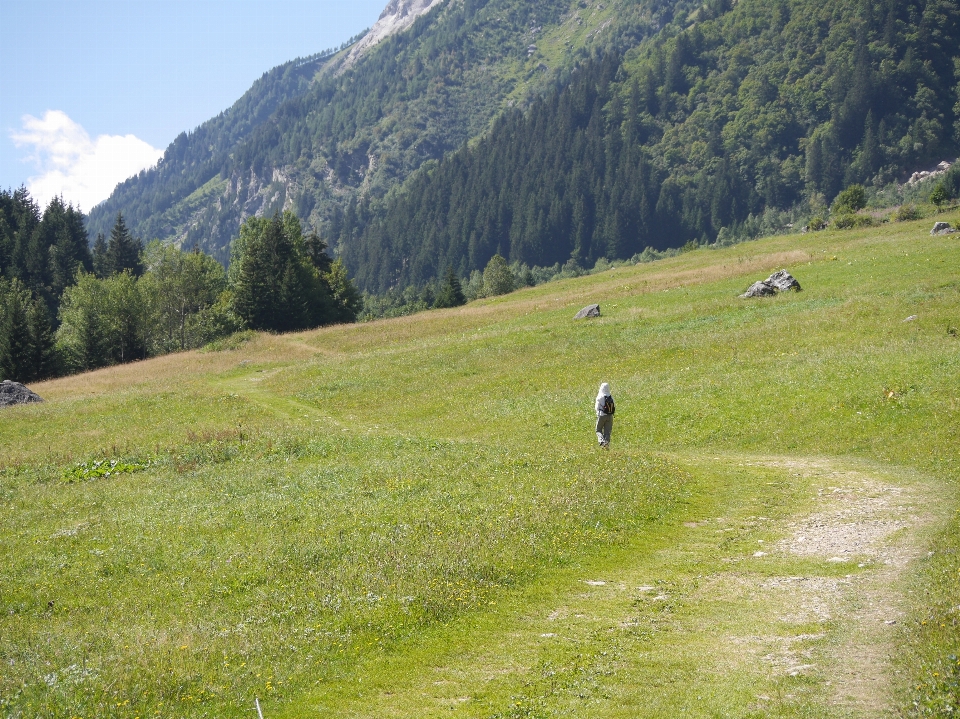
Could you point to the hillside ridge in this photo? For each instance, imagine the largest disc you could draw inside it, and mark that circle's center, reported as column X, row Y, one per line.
column 396, row 17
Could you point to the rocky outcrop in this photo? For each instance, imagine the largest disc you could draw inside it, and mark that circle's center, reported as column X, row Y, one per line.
column 926, row 175
column 12, row 393
column 588, row 311
column 780, row 281
column 942, row 228
column 396, row 17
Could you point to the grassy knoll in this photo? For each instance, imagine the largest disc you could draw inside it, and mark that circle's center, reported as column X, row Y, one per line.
column 410, row 517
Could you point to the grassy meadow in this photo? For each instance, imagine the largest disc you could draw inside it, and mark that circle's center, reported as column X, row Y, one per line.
column 411, row 517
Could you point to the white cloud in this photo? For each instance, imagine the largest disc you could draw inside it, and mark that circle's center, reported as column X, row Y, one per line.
column 69, row 163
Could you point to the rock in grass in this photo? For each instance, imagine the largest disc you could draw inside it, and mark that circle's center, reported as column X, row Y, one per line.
column 588, row 311
column 760, row 289
column 780, row 281
column 942, row 228
column 12, row 393
column 783, row 281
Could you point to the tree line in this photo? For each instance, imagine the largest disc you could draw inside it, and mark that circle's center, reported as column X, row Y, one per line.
column 66, row 307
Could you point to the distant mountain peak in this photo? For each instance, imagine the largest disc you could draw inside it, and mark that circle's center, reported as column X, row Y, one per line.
column 396, row 17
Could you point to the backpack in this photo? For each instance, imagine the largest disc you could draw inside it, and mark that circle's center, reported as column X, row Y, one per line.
column 608, row 406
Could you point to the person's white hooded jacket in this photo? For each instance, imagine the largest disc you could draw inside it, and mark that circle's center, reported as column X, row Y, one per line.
column 604, row 392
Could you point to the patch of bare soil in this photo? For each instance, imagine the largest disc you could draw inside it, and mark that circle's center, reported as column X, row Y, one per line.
column 874, row 527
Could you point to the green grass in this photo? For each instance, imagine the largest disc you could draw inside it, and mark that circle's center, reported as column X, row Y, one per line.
column 380, row 519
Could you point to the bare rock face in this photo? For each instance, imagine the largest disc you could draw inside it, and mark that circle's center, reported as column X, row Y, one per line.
column 12, row 393
column 588, row 311
column 780, row 281
column 396, row 17
column 942, row 228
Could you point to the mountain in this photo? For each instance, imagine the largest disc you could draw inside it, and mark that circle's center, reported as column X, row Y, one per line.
column 563, row 130
column 317, row 132
column 728, row 114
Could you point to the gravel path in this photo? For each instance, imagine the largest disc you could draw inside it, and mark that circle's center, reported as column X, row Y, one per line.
column 869, row 524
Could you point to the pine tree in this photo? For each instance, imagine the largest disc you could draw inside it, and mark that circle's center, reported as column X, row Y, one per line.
column 101, row 265
column 346, row 297
column 42, row 348
column 261, row 268
column 451, row 294
column 124, row 251
column 315, row 248
column 870, row 153
column 814, row 164
column 16, row 343
column 274, row 288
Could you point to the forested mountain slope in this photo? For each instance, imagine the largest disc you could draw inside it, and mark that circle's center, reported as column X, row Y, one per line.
column 311, row 135
column 761, row 107
column 156, row 202
column 565, row 130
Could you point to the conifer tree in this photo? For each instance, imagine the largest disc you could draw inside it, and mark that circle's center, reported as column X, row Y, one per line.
column 26, row 338
column 101, row 265
column 16, row 343
column 315, row 248
column 43, row 350
column 272, row 289
column 346, row 297
column 124, row 251
column 61, row 240
column 451, row 293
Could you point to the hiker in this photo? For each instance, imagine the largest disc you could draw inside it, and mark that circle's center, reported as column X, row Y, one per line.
column 605, row 409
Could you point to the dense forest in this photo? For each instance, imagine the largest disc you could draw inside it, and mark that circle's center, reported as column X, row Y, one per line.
column 727, row 114
column 65, row 308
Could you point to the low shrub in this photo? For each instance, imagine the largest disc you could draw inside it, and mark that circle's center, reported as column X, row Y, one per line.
column 850, row 200
column 849, row 221
column 83, row 471
column 907, row 212
column 233, row 342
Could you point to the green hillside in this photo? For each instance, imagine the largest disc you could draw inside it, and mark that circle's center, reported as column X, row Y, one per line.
column 411, row 517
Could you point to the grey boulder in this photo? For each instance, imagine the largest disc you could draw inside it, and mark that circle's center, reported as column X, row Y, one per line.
column 942, row 228
column 780, row 281
column 760, row 289
column 783, row 281
column 588, row 311
column 12, row 393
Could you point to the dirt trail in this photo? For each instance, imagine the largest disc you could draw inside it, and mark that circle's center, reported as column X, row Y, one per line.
column 791, row 614
column 875, row 527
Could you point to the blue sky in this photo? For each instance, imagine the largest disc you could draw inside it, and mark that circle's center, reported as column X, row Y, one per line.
column 93, row 90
